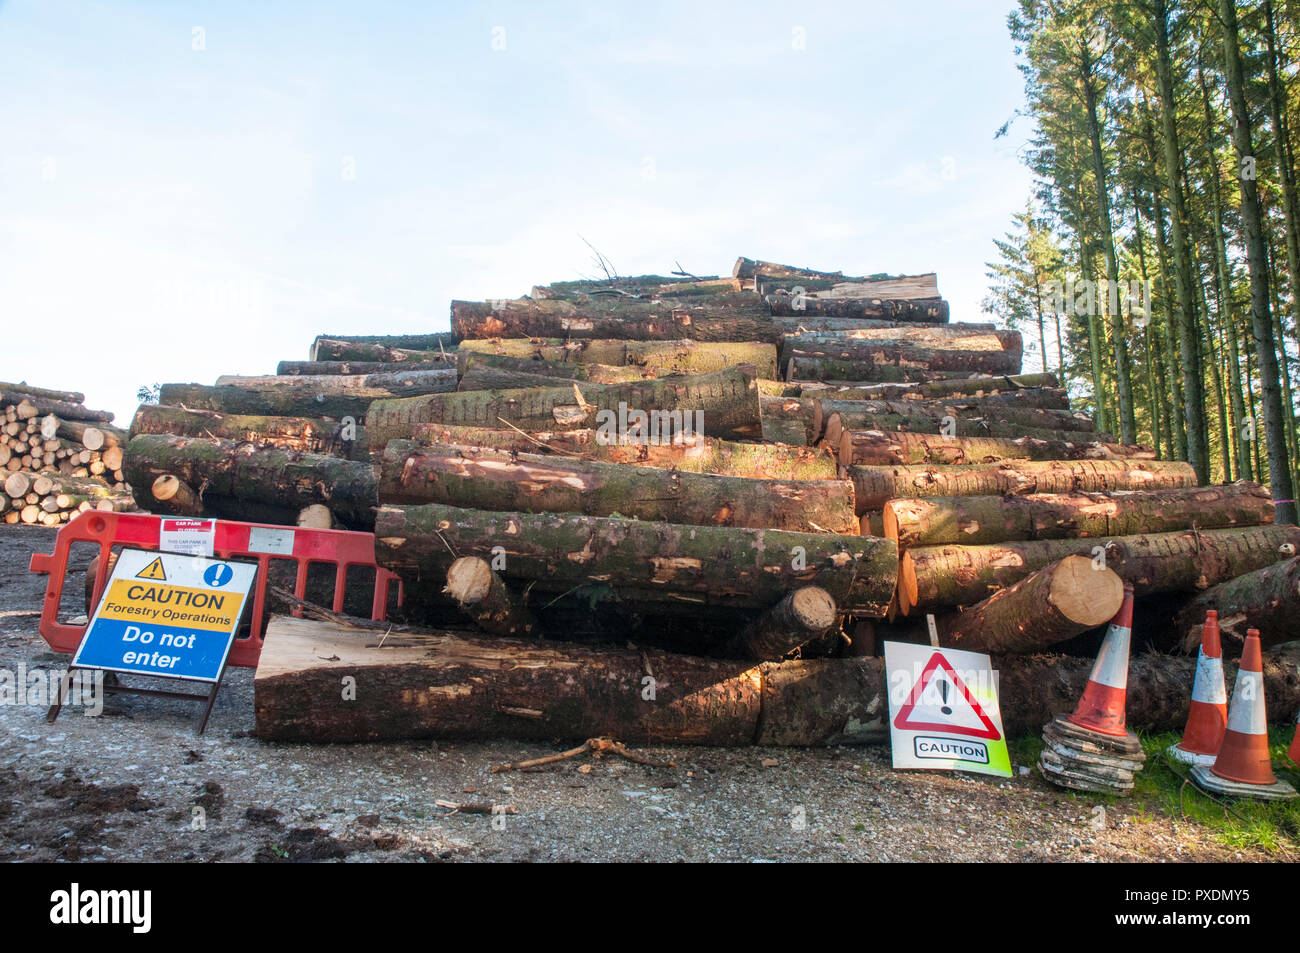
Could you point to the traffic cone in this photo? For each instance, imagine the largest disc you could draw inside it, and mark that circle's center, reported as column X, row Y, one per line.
column 1102, row 706
column 1294, row 751
column 1209, row 711
column 1092, row 750
column 1243, row 767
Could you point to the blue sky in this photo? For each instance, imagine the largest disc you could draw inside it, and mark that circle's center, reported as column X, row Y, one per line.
column 196, row 189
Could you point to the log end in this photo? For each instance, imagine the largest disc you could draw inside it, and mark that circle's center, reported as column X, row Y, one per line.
column 1084, row 593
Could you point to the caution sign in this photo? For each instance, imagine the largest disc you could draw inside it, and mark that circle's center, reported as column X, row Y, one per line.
column 168, row 615
column 943, row 708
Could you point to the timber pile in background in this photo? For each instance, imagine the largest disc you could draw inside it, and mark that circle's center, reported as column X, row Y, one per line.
column 750, row 480
column 58, row 457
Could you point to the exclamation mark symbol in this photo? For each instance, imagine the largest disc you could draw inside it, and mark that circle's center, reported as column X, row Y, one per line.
column 943, row 691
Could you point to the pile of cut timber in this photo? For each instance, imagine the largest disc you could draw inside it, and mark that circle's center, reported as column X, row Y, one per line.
column 725, row 488
column 58, row 458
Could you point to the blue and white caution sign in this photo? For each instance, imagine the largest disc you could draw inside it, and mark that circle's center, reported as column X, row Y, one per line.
column 168, row 615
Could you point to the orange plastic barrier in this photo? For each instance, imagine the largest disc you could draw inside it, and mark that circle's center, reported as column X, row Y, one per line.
column 339, row 548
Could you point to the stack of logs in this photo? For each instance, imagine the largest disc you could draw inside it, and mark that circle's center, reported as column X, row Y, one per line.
column 58, row 458
column 725, row 489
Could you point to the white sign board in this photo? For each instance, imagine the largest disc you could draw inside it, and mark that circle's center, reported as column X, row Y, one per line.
column 943, row 710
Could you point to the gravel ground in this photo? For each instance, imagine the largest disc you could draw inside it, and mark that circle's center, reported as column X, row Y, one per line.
column 137, row 784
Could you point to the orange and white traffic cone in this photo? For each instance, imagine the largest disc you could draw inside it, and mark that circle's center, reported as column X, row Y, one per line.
column 1092, row 750
column 1102, row 706
column 1294, row 751
column 1243, row 767
column 1209, row 711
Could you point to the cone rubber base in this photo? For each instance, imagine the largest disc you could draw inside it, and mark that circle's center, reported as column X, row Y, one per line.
column 1190, row 757
column 1209, row 781
column 1086, row 760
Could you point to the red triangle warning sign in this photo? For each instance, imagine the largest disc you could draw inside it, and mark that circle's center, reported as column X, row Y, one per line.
column 957, row 712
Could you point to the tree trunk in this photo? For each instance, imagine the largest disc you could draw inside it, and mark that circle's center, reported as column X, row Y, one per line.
column 806, row 614
column 979, row 427
column 531, row 483
column 387, row 349
column 35, row 405
column 1267, row 599
column 880, row 361
column 306, row 434
column 1031, row 390
column 859, row 414
column 937, row 577
column 404, row 383
column 243, row 472
column 874, row 447
column 349, row 368
column 658, row 357
column 689, row 565
column 978, row 520
column 875, row 486
column 439, row 685
column 483, row 597
column 917, row 310
column 701, row 455
column 299, row 397
column 789, row 420
column 173, row 496
column 727, row 400
column 1261, row 320
column 1059, row 601
column 1198, row 450
column 471, row 362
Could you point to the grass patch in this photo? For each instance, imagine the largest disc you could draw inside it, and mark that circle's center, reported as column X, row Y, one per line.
column 1164, row 787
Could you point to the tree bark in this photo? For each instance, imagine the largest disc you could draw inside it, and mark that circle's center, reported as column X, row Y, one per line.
column 728, row 401
column 1063, row 599
column 877, row 361
column 387, row 349
column 886, row 334
column 240, row 472
column 1261, row 320
column 1032, row 390
column 937, row 577
column 950, row 424
column 406, row 383
column 298, row 397
column 874, row 447
column 350, row 368
column 806, row 614
column 484, row 598
column 917, row 310
column 39, row 406
column 789, row 420
column 171, row 495
column 701, row 455
column 475, row 362
column 858, row 414
column 874, row 486
column 1267, row 599
column 439, row 685
column 659, row 357
column 978, row 520
column 306, row 434
column 690, row 565
column 531, row 483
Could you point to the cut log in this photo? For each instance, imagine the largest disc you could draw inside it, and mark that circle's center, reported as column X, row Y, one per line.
column 859, row 414
column 316, row 516
column 473, row 361
column 1059, row 601
column 752, row 268
column 67, row 396
column 726, row 400
column 33, row 405
column 875, row 486
column 703, row 565
column 876, row 448
column 932, row 578
column 532, row 483
column 439, row 685
column 864, row 343
column 700, row 455
column 244, row 473
column 1267, row 599
column 172, row 495
column 17, row 484
column 306, row 434
column 876, row 360
column 90, row 436
column 403, row 383
column 483, row 597
column 919, row 310
column 789, row 420
column 1032, row 390
column 391, row 348
column 660, row 357
column 349, row 368
column 305, row 400
column 952, row 424
column 806, row 614
column 975, row 520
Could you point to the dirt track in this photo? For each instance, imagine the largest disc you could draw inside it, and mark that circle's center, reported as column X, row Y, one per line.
column 136, row 784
